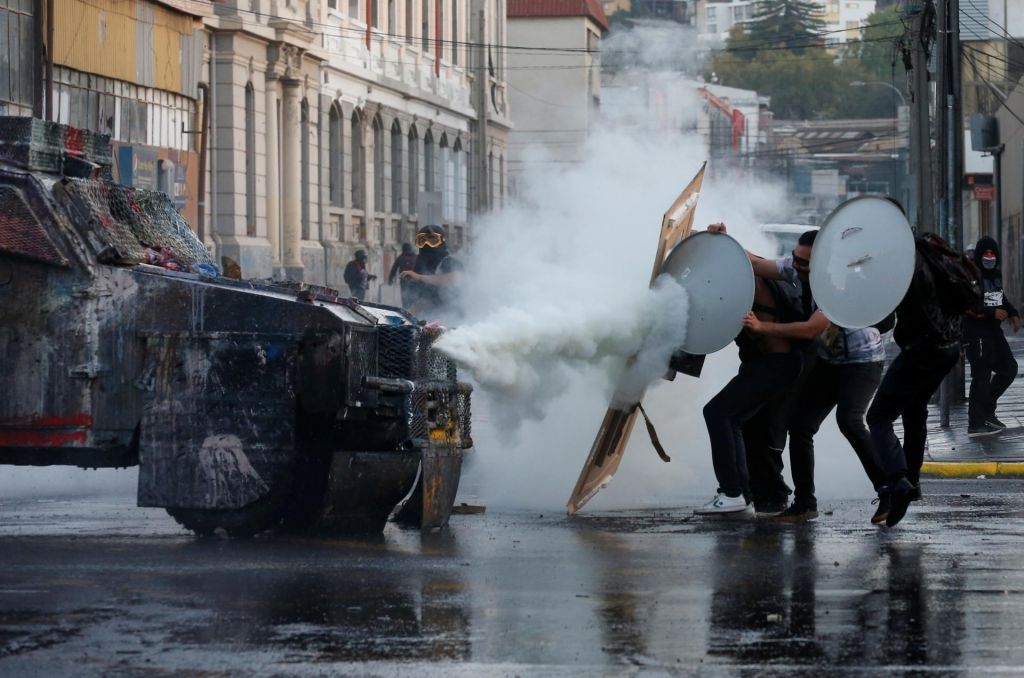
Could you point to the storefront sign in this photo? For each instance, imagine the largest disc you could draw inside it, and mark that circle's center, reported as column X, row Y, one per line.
column 137, row 167
column 985, row 193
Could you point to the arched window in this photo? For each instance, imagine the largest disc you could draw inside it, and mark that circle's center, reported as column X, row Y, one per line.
column 336, row 158
column 425, row 23
column 378, row 166
column 414, row 169
column 396, row 168
column 250, row 160
column 501, row 180
column 358, row 165
column 446, row 181
column 460, row 183
column 428, row 163
column 455, row 32
column 492, row 183
column 409, row 22
column 304, row 171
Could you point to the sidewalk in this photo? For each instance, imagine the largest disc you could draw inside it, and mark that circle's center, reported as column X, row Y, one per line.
column 952, row 454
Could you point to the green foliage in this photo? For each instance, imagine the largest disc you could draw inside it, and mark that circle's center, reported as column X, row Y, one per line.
column 813, row 82
column 794, row 24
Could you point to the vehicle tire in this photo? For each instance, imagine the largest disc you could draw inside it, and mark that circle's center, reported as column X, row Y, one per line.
column 263, row 514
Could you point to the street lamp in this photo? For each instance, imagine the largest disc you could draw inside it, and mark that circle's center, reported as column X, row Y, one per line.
column 902, row 117
column 861, row 83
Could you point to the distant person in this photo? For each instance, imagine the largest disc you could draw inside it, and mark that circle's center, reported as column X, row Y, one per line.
column 357, row 277
column 928, row 329
column 432, row 282
column 406, row 261
column 993, row 367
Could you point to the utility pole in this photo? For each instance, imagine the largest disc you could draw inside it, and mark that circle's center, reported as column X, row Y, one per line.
column 920, row 138
column 948, row 151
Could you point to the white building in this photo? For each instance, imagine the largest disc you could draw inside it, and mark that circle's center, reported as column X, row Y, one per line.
column 556, row 79
column 843, row 19
column 334, row 131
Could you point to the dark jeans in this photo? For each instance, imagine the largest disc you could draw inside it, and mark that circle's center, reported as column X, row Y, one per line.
column 758, row 381
column 907, row 386
column 993, row 369
column 849, row 389
column 357, row 292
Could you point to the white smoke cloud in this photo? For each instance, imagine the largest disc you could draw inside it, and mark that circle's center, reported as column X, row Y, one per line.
column 566, row 269
column 526, row 354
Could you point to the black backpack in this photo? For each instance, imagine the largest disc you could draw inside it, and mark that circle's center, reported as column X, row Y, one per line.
column 957, row 283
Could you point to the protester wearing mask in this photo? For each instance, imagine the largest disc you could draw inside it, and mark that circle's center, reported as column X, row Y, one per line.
column 356, row 276
column 993, row 367
column 844, row 377
column 406, row 261
column 432, row 280
column 770, row 366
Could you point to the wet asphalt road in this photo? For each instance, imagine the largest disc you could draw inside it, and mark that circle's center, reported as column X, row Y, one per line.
column 98, row 587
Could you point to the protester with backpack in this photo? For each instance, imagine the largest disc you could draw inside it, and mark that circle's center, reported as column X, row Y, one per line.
column 928, row 326
column 993, row 367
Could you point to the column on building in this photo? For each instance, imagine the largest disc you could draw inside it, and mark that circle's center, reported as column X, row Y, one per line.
column 291, row 177
column 272, row 172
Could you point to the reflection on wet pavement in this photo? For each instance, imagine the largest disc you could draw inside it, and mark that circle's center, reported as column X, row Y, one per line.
column 516, row 593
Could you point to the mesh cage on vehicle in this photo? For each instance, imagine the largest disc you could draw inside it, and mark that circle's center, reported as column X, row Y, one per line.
column 439, row 406
column 125, row 220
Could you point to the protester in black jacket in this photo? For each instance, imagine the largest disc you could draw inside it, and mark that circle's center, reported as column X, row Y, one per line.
column 993, row 368
column 929, row 341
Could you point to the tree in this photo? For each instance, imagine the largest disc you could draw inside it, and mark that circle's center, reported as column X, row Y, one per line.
column 813, row 82
column 793, row 24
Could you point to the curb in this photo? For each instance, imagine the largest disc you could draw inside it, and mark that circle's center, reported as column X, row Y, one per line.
column 973, row 469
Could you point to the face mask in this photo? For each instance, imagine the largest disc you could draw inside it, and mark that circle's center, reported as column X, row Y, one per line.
column 989, row 261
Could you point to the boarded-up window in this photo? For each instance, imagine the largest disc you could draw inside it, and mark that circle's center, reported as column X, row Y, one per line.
column 17, row 56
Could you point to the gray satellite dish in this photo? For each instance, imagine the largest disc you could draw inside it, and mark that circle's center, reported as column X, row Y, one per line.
column 717, row 276
column 862, row 262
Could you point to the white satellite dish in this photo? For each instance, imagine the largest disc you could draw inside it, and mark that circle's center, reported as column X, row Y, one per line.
column 862, row 262
column 716, row 273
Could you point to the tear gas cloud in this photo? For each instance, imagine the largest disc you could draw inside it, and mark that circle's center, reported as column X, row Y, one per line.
column 559, row 296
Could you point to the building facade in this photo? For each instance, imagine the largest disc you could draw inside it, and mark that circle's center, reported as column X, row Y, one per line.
column 555, row 76
column 289, row 134
column 334, row 130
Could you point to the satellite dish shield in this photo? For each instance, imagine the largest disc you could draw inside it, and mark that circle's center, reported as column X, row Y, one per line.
column 862, row 262
column 715, row 272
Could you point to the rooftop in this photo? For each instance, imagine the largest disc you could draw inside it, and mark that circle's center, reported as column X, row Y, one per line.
column 559, row 8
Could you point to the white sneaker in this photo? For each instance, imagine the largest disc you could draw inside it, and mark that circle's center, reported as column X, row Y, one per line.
column 724, row 504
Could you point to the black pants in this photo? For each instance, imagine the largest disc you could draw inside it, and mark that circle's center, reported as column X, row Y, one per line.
column 758, row 381
column 993, row 369
column 764, row 439
column 848, row 389
column 357, row 292
column 907, row 386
